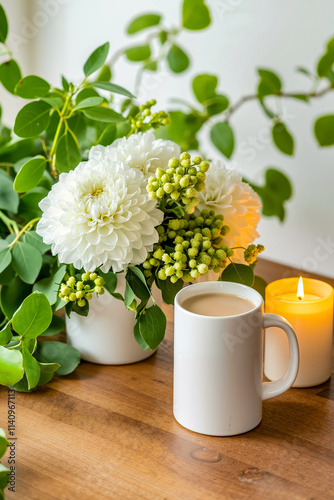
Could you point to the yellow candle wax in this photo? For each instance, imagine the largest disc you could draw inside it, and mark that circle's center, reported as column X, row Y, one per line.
column 312, row 320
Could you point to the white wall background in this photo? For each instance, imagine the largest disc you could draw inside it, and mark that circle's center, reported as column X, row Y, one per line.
column 50, row 37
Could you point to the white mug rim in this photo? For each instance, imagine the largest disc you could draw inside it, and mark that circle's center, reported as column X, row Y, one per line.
column 258, row 299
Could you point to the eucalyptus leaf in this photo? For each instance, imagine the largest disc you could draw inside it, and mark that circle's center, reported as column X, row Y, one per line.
column 3, row 25
column 222, row 137
column 47, row 371
column 324, row 130
column 143, row 22
column 84, row 94
column 6, row 277
column 270, row 83
column 31, row 367
column 177, row 59
column 139, row 339
column 108, row 135
column 325, row 64
column 152, row 326
column 282, row 138
column 9, row 199
column 32, row 119
column 169, row 289
column 138, row 53
column 57, row 325
column 5, row 334
column 105, row 74
column 96, row 59
column 32, row 87
column 12, row 295
column 67, row 153
column 57, row 352
column 27, row 261
column 36, row 241
column 103, row 114
column 49, row 286
column 238, row 273
column 129, row 296
column 30, row 174
column 112, row 87
column 10, row 75
column 33, row 316
column 5, row 255
column 195, row 15
column 28, row 207
column 90, row 102
column 204, row 87
column 137, row 282
column 11, row 366
column 65, row 83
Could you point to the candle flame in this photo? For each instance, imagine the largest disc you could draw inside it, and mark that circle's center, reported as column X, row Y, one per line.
column 300, row 289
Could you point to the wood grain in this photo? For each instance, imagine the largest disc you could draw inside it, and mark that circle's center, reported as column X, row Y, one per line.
column 108, row 433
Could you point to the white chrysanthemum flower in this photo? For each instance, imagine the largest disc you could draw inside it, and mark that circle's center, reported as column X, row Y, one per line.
column 142, row 151
column 100, row 215
column 226, row 194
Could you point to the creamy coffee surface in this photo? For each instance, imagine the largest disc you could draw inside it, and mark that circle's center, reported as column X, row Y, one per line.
column 217, row 304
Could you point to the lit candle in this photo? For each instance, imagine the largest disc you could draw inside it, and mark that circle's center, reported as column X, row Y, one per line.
column 311, row 316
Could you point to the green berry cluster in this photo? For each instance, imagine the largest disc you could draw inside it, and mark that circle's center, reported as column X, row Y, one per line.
column 180, row 183
column 251, row 253
column 194, row 247
column 145, row 119
column 79, row 291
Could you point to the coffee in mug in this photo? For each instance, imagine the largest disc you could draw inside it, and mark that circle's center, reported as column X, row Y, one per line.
column 217, row 304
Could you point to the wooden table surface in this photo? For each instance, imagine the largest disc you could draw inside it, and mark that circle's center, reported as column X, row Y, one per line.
column 108, row 432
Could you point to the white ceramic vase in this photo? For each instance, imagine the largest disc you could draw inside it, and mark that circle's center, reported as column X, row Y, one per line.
column 105, row 336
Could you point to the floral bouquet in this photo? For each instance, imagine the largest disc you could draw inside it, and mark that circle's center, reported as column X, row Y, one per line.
column 138, row 206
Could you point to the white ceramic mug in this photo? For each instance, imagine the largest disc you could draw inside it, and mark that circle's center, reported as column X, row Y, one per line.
column 218, row 363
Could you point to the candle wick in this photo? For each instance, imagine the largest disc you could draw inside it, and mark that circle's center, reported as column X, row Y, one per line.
column 300, row 298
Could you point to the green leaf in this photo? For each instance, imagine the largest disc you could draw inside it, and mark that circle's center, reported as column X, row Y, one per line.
column 238, row 273
column 67, row 153
column 112, row 87
column 195, row 15
column 3, row 443
column 183, row 128
column 137, row 282
column 28, row 207
column 3, row 25
column 282, row 138
column 47, row 371
column 30, row 174
column 31, row 367
column 129, row 296
column 31, row 87
column 222, row 137
column 138, row 53
column 139, row 339
column 33, row 316
column 49, row 286
column 324, row 130
column 152, row 326
column 110, row 280
column 151, row 65
column 12, row 295
column 105, row 74
column 90, row 102
column 304, row 71
column 10, row 75
column 54, row 102
column 6, row 277
column 260, row 285
column 36, row 241
column 11, row 366
column 177, row 59
column 96, row 59
column 27, row 261
column 5, row 255
column 142, row 22
column 269, row 84
column 9, row 199
column 57, row 352
column 5, row 334
column 32, row 119
column 57, row 325
column 325, row 64
column 107, row 136
column 169, row 289
column 274, row 193
column 65, row 83
column 279, row 184
column 102, row 114
column 204, row 87
column 84, row 94
column 216, row 105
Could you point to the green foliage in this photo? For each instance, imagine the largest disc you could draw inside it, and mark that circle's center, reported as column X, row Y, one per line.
column 177, row 59
column 3, row 25
column 112, row 87
column 9, row 199
column 152, row 326
column 222, row 137
column 169, row 289
column 96, row 59
column 33, row 119
column 27, row 261
column 67, row 153
column 282, row 138
column 269, row 83
column 195, row 15
column 10, row 75
column 32, row 87
column 30, row 174
column 57, row 352
column 275, row 192
column 324, row 130
column 138, row 53
column 143, row 22
column 238, row 273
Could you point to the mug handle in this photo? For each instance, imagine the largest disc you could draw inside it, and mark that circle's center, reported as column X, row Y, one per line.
column 272, row 389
